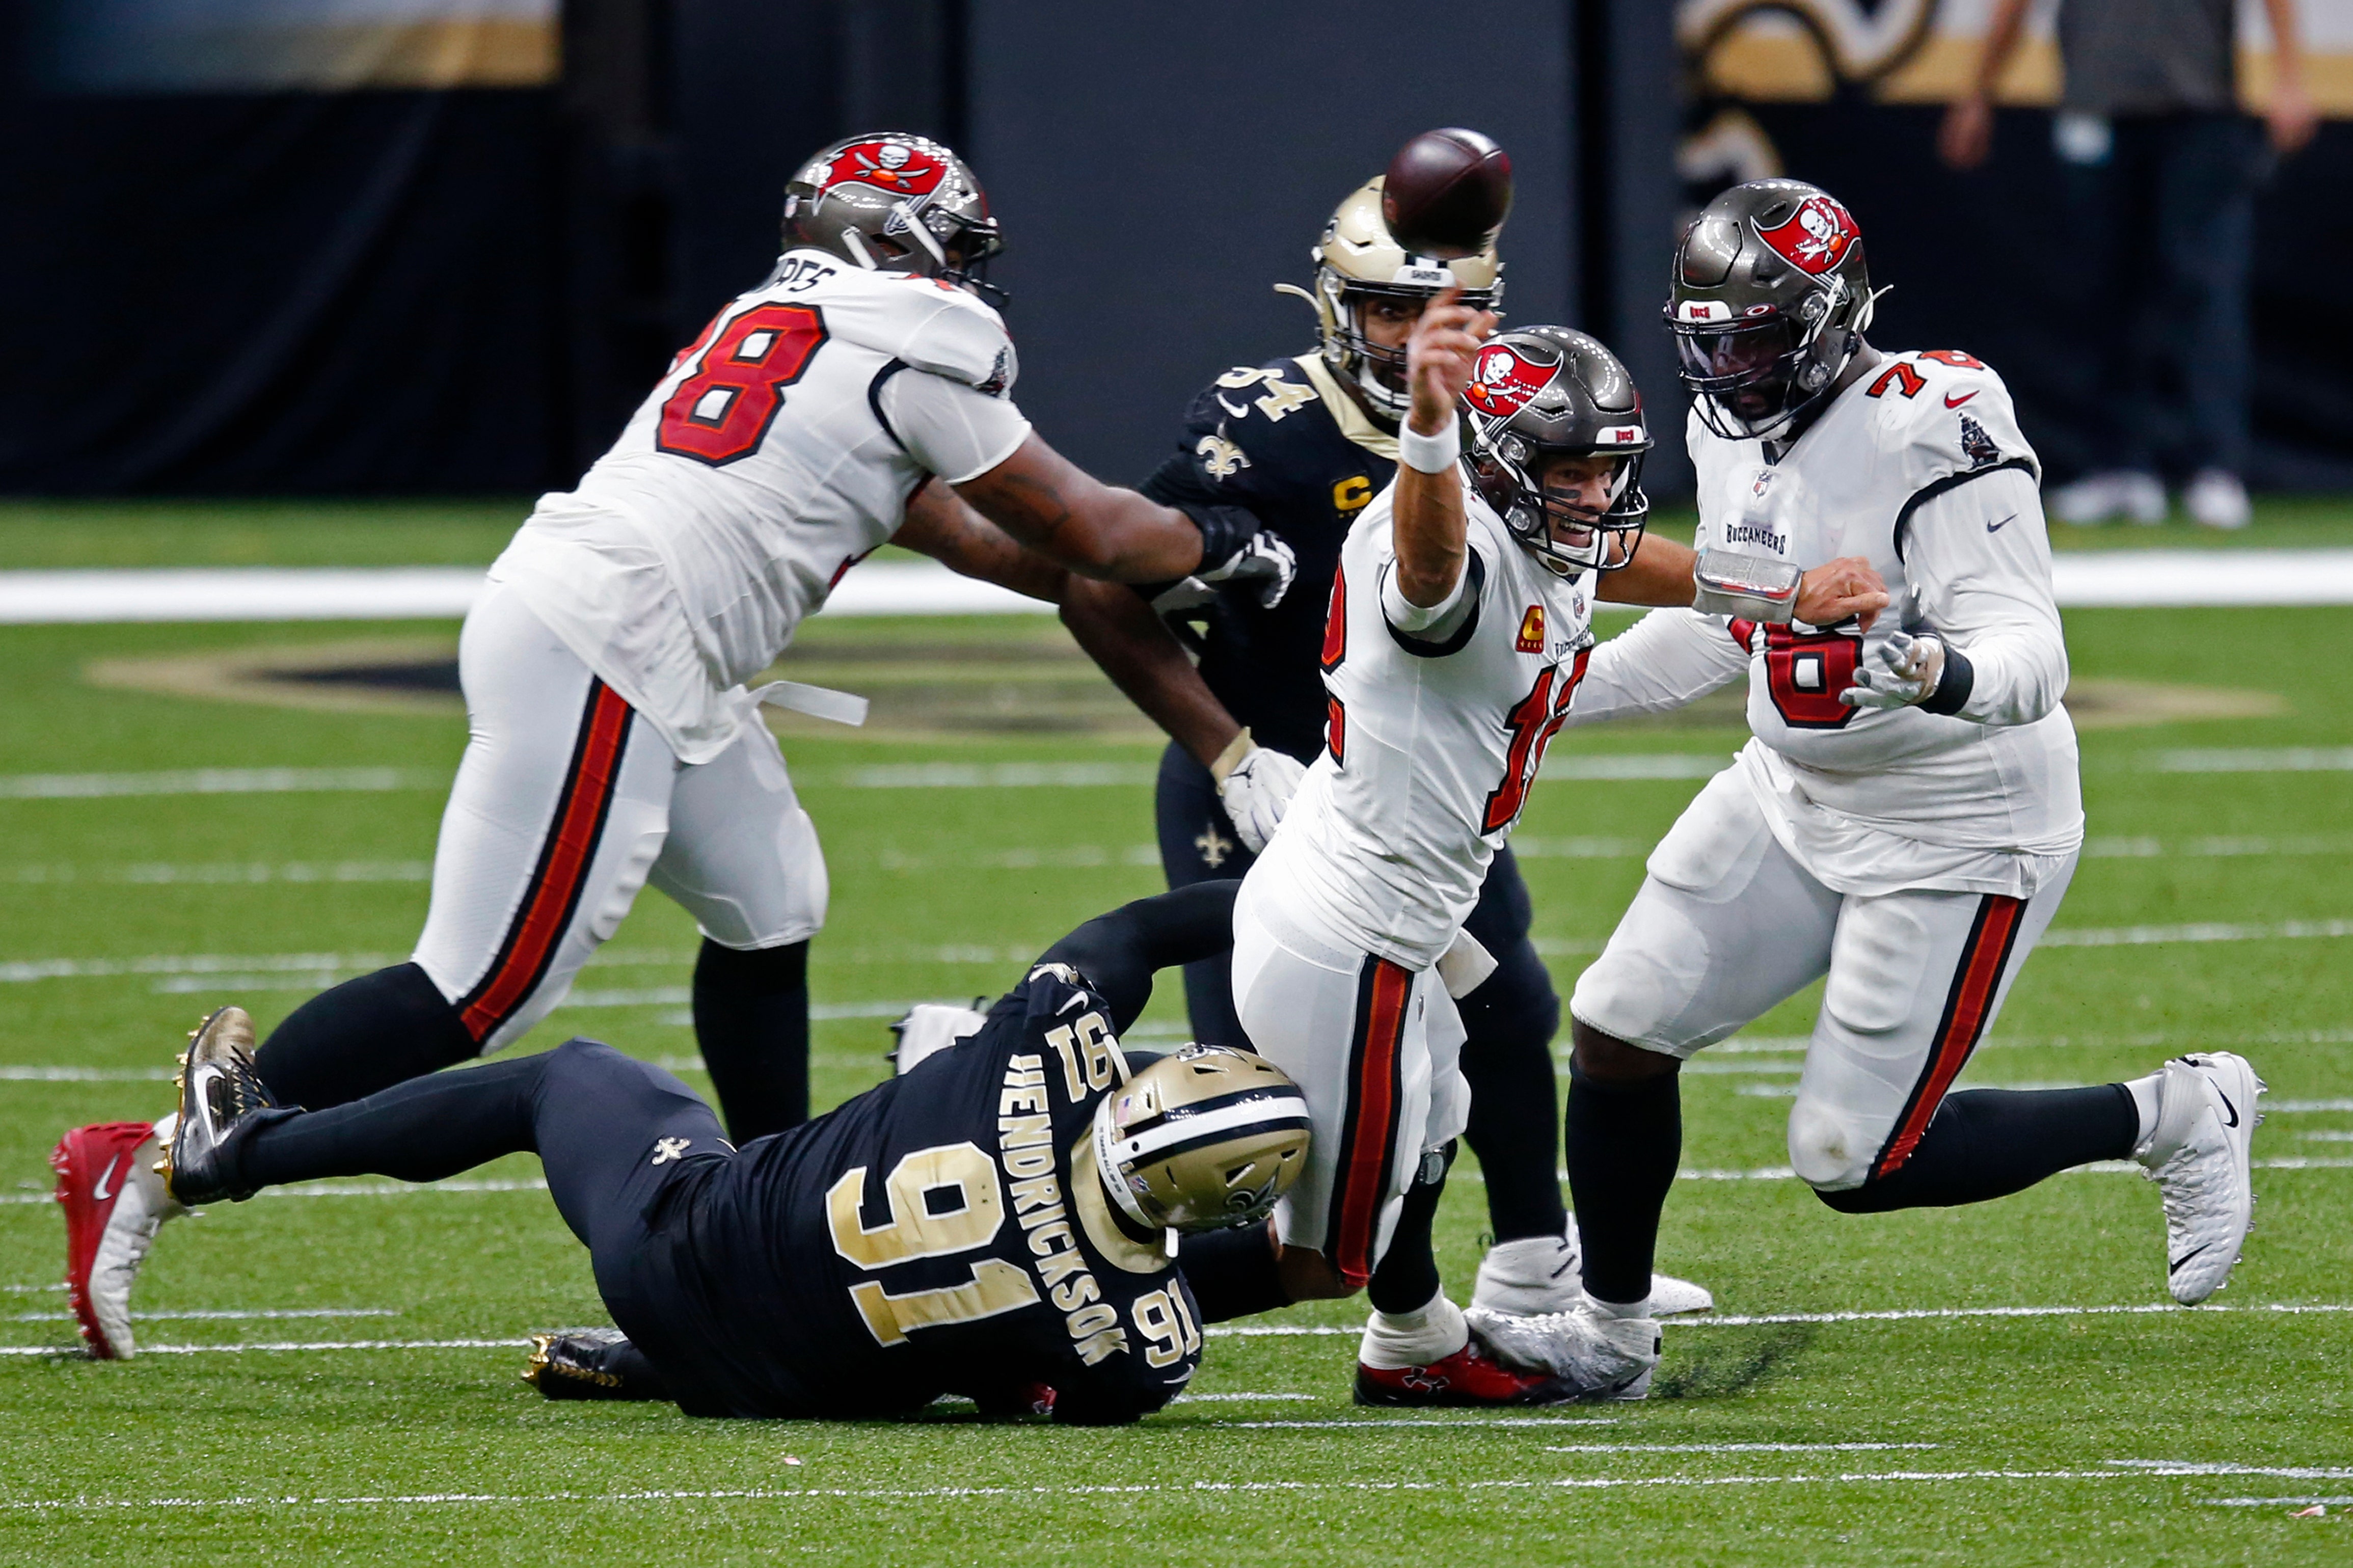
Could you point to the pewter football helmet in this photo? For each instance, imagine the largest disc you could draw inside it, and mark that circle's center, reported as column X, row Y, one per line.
column 1540, row 391
column 895, row 203
column 1768, row 300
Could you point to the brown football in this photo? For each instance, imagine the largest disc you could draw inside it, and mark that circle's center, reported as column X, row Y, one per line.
column 1446, row 193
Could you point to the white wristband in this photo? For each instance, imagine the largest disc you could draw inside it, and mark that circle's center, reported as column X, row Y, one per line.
column 1431, row 454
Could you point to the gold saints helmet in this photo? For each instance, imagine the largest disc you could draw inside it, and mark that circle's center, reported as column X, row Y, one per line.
column 1203, row 1139
column 1358, row 260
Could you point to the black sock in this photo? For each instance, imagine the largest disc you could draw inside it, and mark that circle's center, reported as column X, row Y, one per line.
column 1232, row 1272
column 361, row 1037
column 1624, row 1141
column 421, row 1131
column 1990, row 1142
column 751, row 1018
column 1514, row 1097
column 1407, row 1276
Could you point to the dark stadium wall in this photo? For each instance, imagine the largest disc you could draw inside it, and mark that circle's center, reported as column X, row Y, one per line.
column 381, row 285
column 1159, row 169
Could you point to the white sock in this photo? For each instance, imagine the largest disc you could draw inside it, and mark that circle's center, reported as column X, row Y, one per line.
column 1394, row 1340
column 1641, row 1308
column 166, row 1127
column 2148, row 1098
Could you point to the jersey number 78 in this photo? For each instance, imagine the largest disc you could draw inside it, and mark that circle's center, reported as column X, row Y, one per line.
column 721, row 411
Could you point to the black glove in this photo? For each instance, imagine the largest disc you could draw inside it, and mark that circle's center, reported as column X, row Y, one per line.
column 1236, row 549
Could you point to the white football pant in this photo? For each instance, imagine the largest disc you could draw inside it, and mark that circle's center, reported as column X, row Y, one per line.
column 1728, row 925
column 566, row 803
column 1377, row 1050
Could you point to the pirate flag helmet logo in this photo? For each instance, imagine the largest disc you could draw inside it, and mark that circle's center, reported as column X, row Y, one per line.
column 1502, row 382
column 1815, row 238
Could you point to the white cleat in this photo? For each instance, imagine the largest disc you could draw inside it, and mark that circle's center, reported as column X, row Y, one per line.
column 1598, row 1356
column 2198, row 1156
column 1538, row 1274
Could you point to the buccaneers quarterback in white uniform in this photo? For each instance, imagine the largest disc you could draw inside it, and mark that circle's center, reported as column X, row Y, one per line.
column 1907, row 818
column 1456, row 645
column 613, row 740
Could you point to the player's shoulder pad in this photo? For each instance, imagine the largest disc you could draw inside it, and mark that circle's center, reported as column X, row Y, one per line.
column 923, row 322
column 1057, row 999
column 1946, row 414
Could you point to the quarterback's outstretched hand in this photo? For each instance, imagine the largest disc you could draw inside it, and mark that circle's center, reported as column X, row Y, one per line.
column 1255, row 784
column 1440, row 357
column 1264, row 558
column 1902, row 672
column 1837, row 589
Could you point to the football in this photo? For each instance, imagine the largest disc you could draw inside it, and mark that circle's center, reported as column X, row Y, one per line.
column 1446, row 193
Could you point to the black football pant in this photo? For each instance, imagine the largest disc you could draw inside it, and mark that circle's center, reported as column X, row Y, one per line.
column 1509, row 1022
column 614, row 1133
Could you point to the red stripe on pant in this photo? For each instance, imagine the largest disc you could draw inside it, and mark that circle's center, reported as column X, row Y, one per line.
column 555, row 884
column 1967, row 1005
column 1368, row 1139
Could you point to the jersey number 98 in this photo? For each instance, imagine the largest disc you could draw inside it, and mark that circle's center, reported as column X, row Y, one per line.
column 720, row 413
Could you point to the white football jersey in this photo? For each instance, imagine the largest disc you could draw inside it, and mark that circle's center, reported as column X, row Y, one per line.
column 1919, row 467
column 1431, row 746
column 779, row 450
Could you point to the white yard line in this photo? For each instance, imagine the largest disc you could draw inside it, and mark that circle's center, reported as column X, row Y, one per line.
column 1173, row 1490
column 222, row 1317
column 219, row 873
column 219, row 781
column 1731, row 1448
column 289, row 1345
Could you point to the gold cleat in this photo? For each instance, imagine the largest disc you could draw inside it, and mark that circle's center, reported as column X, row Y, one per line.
column 225, row 1031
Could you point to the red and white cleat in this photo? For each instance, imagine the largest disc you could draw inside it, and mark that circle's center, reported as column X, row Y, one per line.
column 114, row 1202
column 1468, row 1376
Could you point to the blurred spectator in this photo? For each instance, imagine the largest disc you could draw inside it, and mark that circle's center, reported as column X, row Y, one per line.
column 2161, row 170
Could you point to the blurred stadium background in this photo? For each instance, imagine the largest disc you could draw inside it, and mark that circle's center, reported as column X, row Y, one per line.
column 440, row 247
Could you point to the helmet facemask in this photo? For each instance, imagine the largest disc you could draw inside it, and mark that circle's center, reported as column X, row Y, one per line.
column 1752, row 377
column 1505, row 465
column 1376, row 371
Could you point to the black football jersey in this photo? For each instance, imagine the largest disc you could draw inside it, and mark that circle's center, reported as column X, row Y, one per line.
column 1284, row 441
column 922, row 1240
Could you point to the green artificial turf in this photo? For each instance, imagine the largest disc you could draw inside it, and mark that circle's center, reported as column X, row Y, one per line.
column 1994, row 1439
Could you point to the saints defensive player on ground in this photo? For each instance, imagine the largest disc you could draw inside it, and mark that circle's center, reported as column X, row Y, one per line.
column 1907, row 818
column 996, row 1223
column 861, row 394
column 1304, row 444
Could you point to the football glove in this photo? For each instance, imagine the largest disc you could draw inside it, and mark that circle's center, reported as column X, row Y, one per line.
column 930, row 1027
column 1235, row 548
column 1902, row 672
column 1255, row 784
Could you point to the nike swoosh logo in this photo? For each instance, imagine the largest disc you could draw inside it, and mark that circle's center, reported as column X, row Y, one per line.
column 1244, row 412
column 100, row 1193
column 1079, row 1000
column 1950, row 400
column 2229, row 1107
column 1997, row 527
column 2174, row 1267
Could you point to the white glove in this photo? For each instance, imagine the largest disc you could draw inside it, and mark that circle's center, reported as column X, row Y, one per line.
column 1902, row 672
column 929, row 1028
column 1255, row 784
column 1266, row 559
column 1184, row 594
